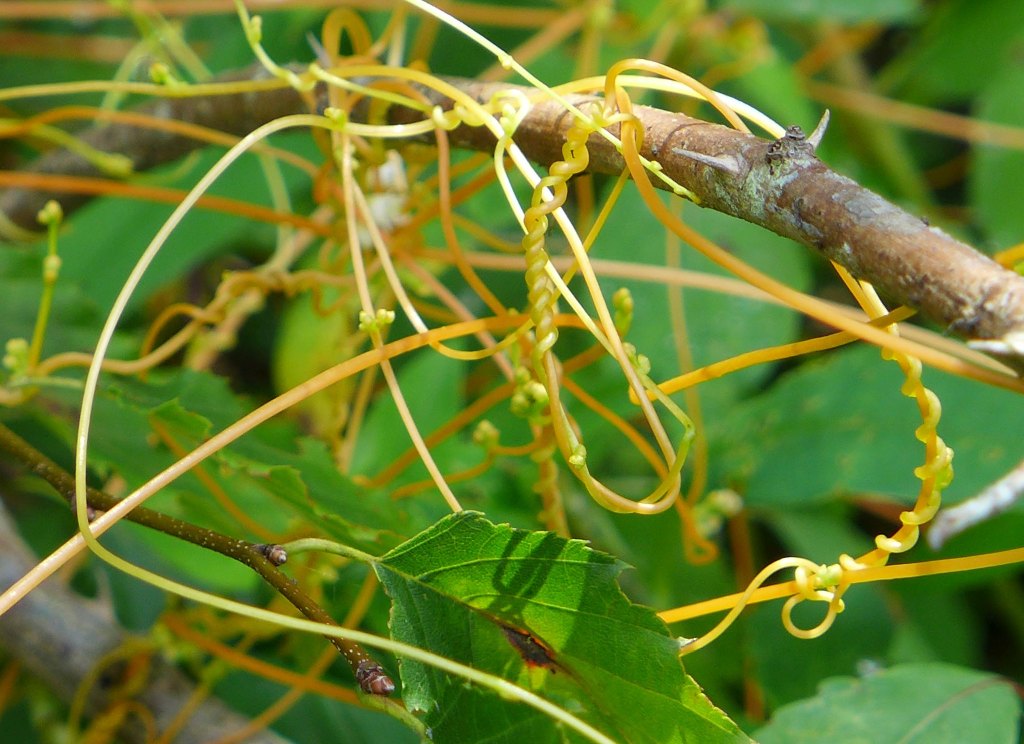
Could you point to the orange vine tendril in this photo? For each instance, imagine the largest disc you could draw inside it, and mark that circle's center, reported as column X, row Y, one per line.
column 374, row 265
column 812, row 583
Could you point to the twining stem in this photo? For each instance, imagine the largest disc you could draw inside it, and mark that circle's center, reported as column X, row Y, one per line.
column 245, row 552
column 905, row 258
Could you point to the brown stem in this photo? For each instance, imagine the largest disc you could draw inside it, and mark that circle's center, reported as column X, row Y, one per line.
column 796, row 196
column 368, row 672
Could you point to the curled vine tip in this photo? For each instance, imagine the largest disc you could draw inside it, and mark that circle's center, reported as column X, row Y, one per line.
column 50, row 214
column 373, row 680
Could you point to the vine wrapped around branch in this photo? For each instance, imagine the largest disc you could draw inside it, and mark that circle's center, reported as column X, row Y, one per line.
column 786, row 190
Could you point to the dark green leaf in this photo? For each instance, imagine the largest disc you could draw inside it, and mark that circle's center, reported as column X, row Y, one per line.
column 963, row 44
column 544, row 612
column 837, row 11
column 995, row 178
column 718, row 325
column 270, row 468
column 432, row 386
column 912, row 704
column 840, row 425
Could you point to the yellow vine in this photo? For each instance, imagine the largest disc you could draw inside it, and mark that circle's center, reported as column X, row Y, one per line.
column 367, row 248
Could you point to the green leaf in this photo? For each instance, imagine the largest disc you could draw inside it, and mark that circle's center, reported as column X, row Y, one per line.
column 309, row 341
column 311, row 716
column 840, row 425
column 432, row 385
column 995, row 178
column 963, row 44
column 545, row 613
column 309, row 484
column 956, row 640
column 718, row 325
column 272, row 473
column 834, row 11
column 74, row 321
column 911, row 704
column 863, row 631
column 815, row 436
column 105, row 239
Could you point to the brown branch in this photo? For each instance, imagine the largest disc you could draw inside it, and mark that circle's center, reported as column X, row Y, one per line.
column 368, row 672
column 795, row 195
column 791, row 193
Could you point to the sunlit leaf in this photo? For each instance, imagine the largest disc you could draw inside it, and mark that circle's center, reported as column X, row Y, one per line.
column 546, row 613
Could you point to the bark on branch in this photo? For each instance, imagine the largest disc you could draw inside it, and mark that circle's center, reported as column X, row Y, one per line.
column 792, row 193
column 784, row 189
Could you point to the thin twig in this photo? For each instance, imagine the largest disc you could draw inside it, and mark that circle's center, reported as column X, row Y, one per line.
column 369, row 673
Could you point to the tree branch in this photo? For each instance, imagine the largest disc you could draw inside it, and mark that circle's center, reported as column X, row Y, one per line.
column 368, row 672
column 795, row 195
column 786, row 190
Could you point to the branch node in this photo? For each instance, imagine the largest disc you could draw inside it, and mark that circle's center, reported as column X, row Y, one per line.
column 373, row 680
column 790, row 146
column 276, row 554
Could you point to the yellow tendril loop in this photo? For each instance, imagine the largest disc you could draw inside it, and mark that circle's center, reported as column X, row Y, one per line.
column 935, row 473
column 829, row 583
column 817, row 584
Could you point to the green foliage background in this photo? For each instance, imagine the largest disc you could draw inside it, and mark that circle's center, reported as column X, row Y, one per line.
column 810, row 446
